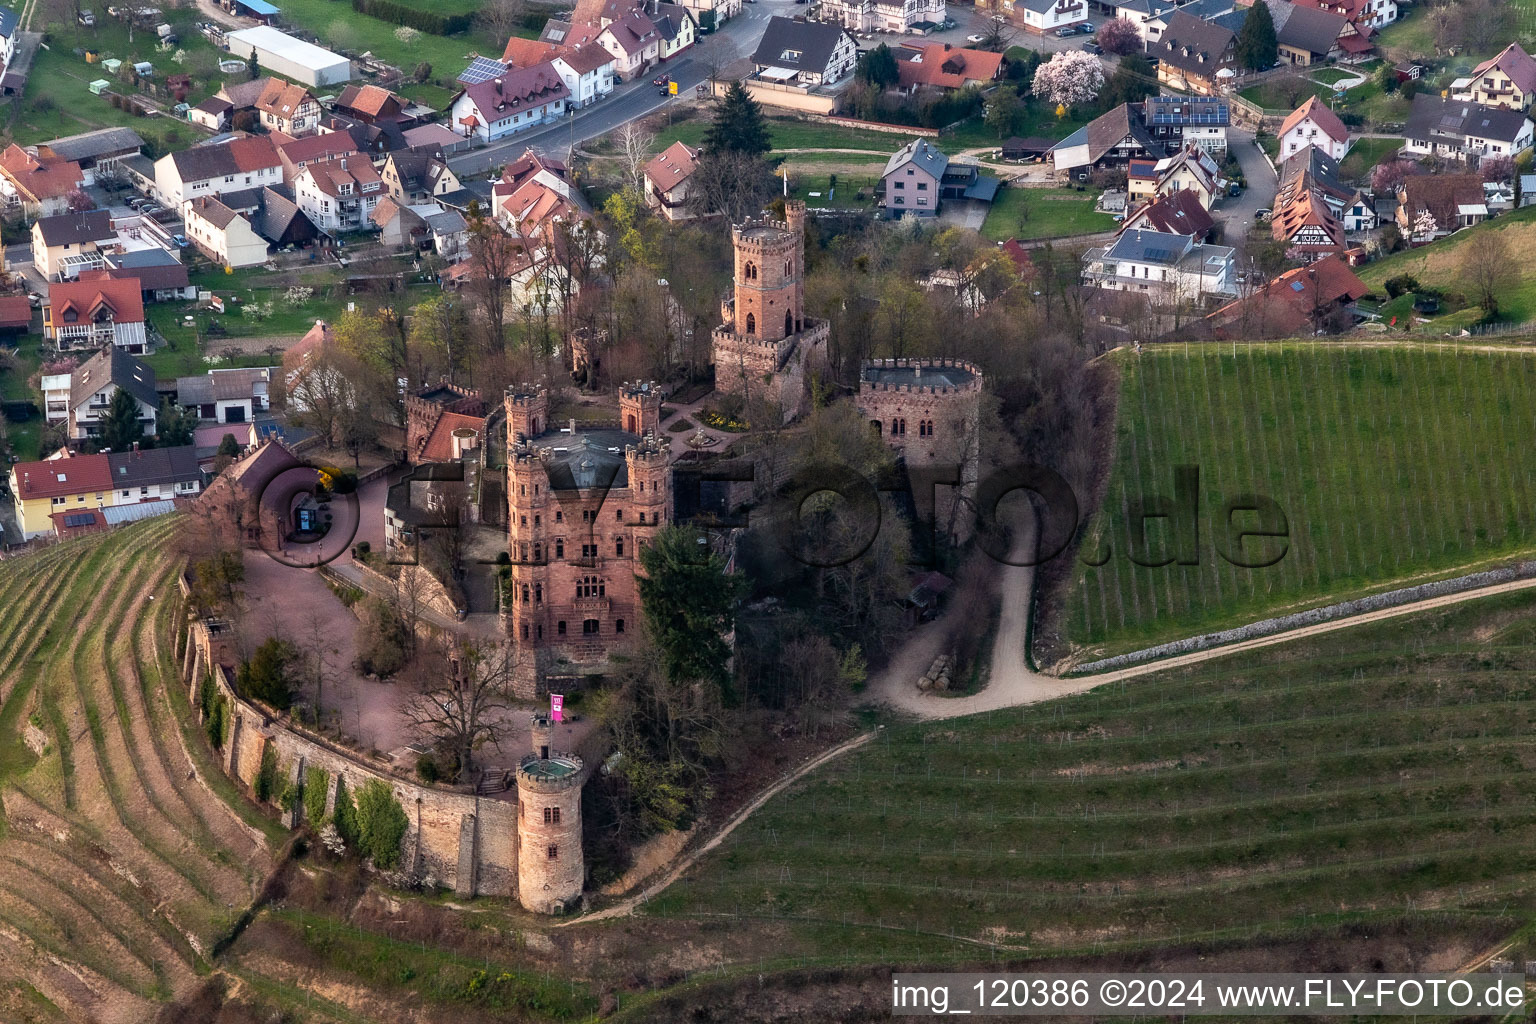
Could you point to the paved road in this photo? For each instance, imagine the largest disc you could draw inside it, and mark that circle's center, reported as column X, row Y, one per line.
column 1237, row 214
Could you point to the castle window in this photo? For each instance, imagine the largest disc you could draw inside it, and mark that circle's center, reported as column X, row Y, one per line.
column 586, row 515
column 618, row 626
column 789, row 322
column 538, row 631
column 525, row 631
column 524, row 550
column 553, row 853
column 559, row 549
column 749, row 272
column 618, row 548
column 522, row 520
column 878, row 427
column 551, row 815
column 751, row 324
column 535, row 519
column 525, row 593
column 589, row 551
column 788, row 270
column 560, row 627
column 589, row 627
column 559, row 516
column 618, row 514
column 522, row 488
column 538, row 593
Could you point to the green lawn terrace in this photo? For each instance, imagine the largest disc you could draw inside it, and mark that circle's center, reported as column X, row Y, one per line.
column 1355, row 785
column 1392, row 466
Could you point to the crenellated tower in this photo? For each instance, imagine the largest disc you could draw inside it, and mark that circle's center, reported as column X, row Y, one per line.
column 550, row 867
column 527, row 411
column 640, row 407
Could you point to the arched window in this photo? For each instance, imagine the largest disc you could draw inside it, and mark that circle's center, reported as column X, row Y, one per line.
column 789, row 322
column 629, row 423
column 789, row 268
column 749, row 272
column 751, row 324
column 879, row 428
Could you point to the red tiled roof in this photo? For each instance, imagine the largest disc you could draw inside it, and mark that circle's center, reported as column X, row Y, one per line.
column 369, row 100
column 507, row 94
column 282, row 98
column 671, row 166
column 1178, row 213
column 1325, row 119
column 57, row 478
column 525, row 53
column 254, row 153
column 947, row 66
column 438, row 446
column 39, row 177
column 15, row 311
column 86, row 296
column 1291, row 300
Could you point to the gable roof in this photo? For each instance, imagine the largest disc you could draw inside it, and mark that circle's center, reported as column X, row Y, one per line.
column 1325, row 119
column 244, row 93
column 798, row 45
column 212, row 210
column 1306, row 208
column 145, row 467
column 90, row 293
column 73, row 228
column 330, row 175
column 1106, row 131
column 1306, row 28
column 101, row 141
column 1193, row 46
column 41, row 174
column 633, row 32
column 236, row 156
column 153, row 268
column 508, row 94
column 1177, row 213
column 1290, row 300
column 945, row 66
column 585, row 59
column 113, row 366
column 369, row 100
column 921, row 152
column 671, row 166
column 282, row 98
column 315, row 147
column 525, row 53
column 1438, row 119
column 1441, row 195
column 1514, row 62
column 54, row 478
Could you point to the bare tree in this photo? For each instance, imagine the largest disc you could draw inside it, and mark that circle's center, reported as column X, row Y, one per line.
column 1000, row 31
column 493, row 255
column 1488, row 268
column 466, row 707
column 734, row 184
column 499, row 18
column 319, row 661
column 634, row 148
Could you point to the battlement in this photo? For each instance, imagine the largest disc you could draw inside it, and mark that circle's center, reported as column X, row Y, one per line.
column 650, row 449
column 553, row 774
column 526, row 394
column 778, row 349
column 641, row 391
column 920, row 376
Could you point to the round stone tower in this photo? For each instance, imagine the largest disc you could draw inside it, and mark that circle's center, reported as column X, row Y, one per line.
column 770, row 275
column 550, row 868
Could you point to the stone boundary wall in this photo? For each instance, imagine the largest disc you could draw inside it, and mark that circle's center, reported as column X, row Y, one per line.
column 1327, row 613
column 876, row 126
column 468, row 842
column 433, row 594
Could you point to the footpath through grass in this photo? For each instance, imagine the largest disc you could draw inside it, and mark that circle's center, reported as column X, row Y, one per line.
column 1371, row 778
column 1391, row 465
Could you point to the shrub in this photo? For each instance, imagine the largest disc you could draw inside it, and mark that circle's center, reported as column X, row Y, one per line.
column 1401, row 284
column 289, row 798
column 265, row 783
column 397, row 13
column 345, row 817
column 426, row 768
column 265, row 675
column 315, row 782
column 381, row 824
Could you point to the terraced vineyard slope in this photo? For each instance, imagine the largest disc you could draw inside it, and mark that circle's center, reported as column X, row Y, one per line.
column 1392, row 465
column 1371, row 784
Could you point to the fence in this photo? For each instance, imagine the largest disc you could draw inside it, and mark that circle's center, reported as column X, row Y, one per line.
column 1498, row 330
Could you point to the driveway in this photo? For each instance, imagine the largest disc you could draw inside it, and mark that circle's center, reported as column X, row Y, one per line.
column 1236, row 215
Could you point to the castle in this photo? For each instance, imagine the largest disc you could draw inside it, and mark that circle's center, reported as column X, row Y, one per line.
column 928, row 410
column 581, row 502
column 765, row 344
column 550, row 868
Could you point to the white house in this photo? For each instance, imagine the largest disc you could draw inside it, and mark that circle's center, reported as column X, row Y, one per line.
column 222, row 234
column 1168, row 268
column 93, row 383
column 1313, row 124
column 587, row 72
column 288, row 108
column 634, row 43
column 510, row 103
column 227, row 396
column 1458, row 129
column 59, row 242
column 805, row 52
column 339, row 195
column 1047, row 16
column 899, row 16
column 216, row 168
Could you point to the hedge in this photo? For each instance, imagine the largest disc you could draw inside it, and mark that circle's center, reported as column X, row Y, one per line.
column 429, row 21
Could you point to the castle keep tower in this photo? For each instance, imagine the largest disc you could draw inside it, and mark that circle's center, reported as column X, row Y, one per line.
column 764, row 344
column 550, row 867
column 928, row 410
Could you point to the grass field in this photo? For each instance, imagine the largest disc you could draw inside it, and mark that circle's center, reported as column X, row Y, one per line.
column 792, row 133
column 1440, row 265
column 1028, row 213
column 1368, row 779
column 1364, row 155
column 1389, row 465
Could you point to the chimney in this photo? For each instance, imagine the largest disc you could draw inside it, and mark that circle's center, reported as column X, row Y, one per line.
column 573, row 426
column 917, row 371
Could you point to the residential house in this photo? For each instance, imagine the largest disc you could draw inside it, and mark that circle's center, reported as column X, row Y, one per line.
column 1191, row 169
column 12, row 80
column 1111, row 140
column 711, row 14
column 213, row 113
column 161, row 276
column 1174, row 213
column 55, row 388
column 74, row 484
column 1312, row 170
column 1170, row 269
column 587, row 72
column 529, row 204
column 805, row 52
column 1047, row 16
column 525, row 53
column 37, row 183
column 339, row 195
column 883, row 15
column 297, row 154
column 421, row 227
column 943, row 66
column 59, row 242
column 918, row 177
column 93, row 383
column 1458, row 129
column 288, row 108
column 306, row 356
column 676, row 27
column 633, row 41
column 413, row 177
column 243, row 94
column 1366, row 15
column 154, row 475
column 227, row 396
column 214, row 168
column 1176, row 121
column 280, row 221
column 1313, row 124
column 1507, row 80
column 96, row 151
column 1309, row 35
column 1431, row 206
column 371, row 104
column 666, row 180
column 1202, row 10
column 1192, row 54
column 510, row 103
column 1139, row 12
column 1315, row 299
column 222, row 234
column 96, row 311
column 1307, row 225
column 1141, row 180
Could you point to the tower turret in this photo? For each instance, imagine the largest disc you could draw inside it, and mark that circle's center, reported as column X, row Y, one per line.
column 640, row 407
column 550, row 866
column 527, row 411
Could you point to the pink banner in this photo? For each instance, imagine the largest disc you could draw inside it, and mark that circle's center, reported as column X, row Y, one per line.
column 557, row 707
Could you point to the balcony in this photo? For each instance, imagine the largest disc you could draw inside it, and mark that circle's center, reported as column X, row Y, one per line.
column 592, row 604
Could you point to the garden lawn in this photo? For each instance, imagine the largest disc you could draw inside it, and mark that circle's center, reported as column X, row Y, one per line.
column 1440, row 266
column 1364, row 155
column 23, row 438
column 1390, row 465
column 790, row 133
column 1034, row 119
column 1029, row 213
column 1368, row 780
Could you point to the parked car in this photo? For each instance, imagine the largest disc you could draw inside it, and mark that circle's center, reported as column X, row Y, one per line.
column 86, row 18
column 975, row 39
column 1093, row 48
column 1263, row 214
column 180, row 239
column 1065, row 31
column 1235, row 190
column 1086, row 29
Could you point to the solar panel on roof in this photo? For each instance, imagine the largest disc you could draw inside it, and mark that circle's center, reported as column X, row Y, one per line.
column 482, row 69
column 79, row 519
